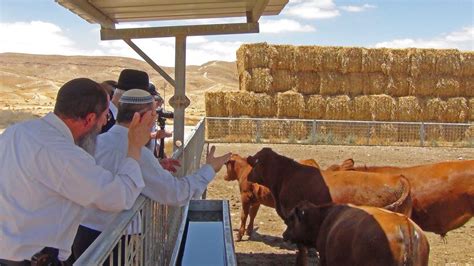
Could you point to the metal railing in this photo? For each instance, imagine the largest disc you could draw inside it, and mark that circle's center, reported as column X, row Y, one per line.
column 159, row 224
column 338, row 132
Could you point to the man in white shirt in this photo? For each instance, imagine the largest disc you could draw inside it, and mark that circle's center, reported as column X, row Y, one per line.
column 160, row 185
column 48, row 175
column 109, row 86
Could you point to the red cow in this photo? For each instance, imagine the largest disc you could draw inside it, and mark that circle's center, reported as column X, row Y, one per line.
column 351, row 235
column 443, row 193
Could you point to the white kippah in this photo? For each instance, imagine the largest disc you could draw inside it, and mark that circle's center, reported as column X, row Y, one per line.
column 136, row 96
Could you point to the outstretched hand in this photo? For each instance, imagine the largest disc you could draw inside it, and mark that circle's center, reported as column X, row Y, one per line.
column 217, row 162
column 139, row 129
column 170, row 164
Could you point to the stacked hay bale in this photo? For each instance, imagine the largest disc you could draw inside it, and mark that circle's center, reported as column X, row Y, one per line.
column 350, row 83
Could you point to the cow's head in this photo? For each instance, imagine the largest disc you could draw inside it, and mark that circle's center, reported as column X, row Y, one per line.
column 301, row 224
column 231, row 173
column 260, row 163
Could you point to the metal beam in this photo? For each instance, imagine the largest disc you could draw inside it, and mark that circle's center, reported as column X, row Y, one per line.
column 89, row 12
column 150, row 62
column 174, row 31
column 257, row 10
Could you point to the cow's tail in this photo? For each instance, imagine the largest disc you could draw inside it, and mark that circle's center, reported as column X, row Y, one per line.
column 417, row 247
column 404, row 203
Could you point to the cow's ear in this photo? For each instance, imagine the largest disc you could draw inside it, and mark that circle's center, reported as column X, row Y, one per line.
column 251, row 160
column 348, row 164
column 231, row 163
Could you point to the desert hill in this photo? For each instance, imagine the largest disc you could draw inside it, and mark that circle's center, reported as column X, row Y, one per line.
column 29, row 83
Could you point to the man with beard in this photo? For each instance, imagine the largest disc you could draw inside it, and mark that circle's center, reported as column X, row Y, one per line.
column 48, row 175
column 160, row 185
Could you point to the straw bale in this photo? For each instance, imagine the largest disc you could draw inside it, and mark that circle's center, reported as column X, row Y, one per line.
column 375, row 83
column 387, row 132
column 261, row 80
column 351, row 59
column 457, row 110
column 448, row 62
column 315, row 107
column 240, row 103
column 373, row 60
column 285, row 57
column 299, row 131
column 435, row 110
column 471, row 109
column 331, row 83
column 216, row 129
column 242, row 130
column 467, row 63
column 330, row 59
column 308, row 58
column 244, row 81
column 290, row 105
column 467, row 86
column 409, row 109
column 448, row 87
column 434, row 132
column 423, row 85
column 254, row 55
column 398, row 85
column 215, row 104
column 469, row 135
column 283, row 80
column 397, row 61
column 353, row 83
column 382, row 107
column 423, row 61
column 339, row 108
column 362, row 108
column 272, row 130
column 307, row 82
column 265, row 105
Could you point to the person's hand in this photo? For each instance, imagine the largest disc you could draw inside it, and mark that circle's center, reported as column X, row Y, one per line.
column 217, row 162
column 160, row 134
column 139, row 132
column 170, row 164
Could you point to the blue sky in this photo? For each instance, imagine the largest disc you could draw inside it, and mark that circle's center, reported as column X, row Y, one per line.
column 45, row 27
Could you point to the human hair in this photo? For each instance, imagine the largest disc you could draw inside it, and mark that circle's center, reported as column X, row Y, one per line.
column 79, row 97
column 127, row 110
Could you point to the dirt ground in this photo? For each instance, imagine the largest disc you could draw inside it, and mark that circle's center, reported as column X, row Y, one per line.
column 266, row 247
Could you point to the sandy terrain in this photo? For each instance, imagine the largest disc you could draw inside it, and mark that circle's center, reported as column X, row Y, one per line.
column 267, row 246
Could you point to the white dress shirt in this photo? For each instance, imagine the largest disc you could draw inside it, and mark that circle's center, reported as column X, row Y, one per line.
column 113, row 109
column 160, row 184
column 45, row 183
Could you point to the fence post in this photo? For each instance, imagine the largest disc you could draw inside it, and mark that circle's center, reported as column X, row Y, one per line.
column 368, row 133
column 313, row 132
column 258, row 134
column 422, row 134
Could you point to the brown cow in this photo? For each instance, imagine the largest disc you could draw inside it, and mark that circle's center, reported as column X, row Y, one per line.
column 291, row 182
column 443, row 193
column 351, row 235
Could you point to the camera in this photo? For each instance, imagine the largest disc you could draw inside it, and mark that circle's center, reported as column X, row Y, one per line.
column 164, row 114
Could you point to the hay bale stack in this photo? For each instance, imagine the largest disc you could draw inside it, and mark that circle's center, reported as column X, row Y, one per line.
column 353, row 83
column 423, row 85
column 457, row 110
column 448, row 62
column 467, row 86
column 299, row 131
column 215, row 104
column 375, row 83
column 447, row 87
column 308, row 58
column 265, row 105
column 362, row 108
column 261, row 80
column 350, row 59
column 331, row 83
column 240, row 103
column 330, row 59
column 409, row 109
column 242, row 130
column 255, row 55
column 216, row 129
column 285, row 57
column 339, row 108
column 467, row 63
column 434, row 132
column 244, row 81
column 314, row 107
column 423, row 61
column 290, row 105
column 283, row 80
column 398, row 85
column 382, row 107
column 387, row 132
column 271, row 130
column 471, row 109
column 435, row 110
column 373, row 60
column 398, row 61
column 307, row 82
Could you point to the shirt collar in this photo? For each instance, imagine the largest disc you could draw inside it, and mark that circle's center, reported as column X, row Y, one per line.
column 58, row 124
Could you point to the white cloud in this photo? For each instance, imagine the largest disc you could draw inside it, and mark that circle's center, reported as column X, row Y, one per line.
column 312, row 9
column 284, row 25
column 357, row 8
column 462, row 40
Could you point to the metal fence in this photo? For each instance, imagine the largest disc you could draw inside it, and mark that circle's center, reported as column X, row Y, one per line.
column 338, row 132
column 158, row 224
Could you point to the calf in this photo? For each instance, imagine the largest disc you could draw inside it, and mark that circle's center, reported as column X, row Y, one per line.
column 443, row 193
column 350, row 235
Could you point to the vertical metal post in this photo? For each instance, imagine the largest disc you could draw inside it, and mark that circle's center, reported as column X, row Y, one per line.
column 368, row 133
column 313, row 132
column 422, row 134
column 258, row 129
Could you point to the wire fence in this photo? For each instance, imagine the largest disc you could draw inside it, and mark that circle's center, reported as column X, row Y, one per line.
column 338, row 132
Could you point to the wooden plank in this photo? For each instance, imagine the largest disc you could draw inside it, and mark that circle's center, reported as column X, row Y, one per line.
column 87, row 11
column 257, row 10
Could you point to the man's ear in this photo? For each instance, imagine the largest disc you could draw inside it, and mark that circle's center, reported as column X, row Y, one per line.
column 90, row 119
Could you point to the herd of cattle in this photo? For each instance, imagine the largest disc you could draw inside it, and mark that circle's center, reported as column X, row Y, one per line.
column 355, row 215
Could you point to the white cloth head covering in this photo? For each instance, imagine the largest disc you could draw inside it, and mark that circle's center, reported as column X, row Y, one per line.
column 136, row 96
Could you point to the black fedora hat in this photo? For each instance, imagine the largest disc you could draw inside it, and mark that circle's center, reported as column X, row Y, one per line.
column 133, row 79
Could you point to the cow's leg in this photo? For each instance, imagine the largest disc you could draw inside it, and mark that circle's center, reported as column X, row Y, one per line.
column 253, row 212
column 244, row 212
column 302, row 255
